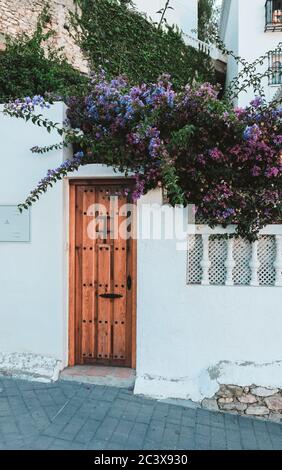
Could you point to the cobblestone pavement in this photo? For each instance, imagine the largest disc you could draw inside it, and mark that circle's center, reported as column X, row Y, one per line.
column 69, row 415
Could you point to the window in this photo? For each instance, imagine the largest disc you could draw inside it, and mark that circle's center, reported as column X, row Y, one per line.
column 275, row 67
column 273, row 15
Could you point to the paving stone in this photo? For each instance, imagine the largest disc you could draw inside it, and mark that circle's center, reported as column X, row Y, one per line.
column 122, row 432
column 114, row 446
column 106, row 428
column 86, row 433
column 41, row 443
column 76, row 416
column 234, row 445
column 97, row 445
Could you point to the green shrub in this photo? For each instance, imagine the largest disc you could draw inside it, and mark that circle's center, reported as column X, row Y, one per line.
column 26, row 69
column 124, row 41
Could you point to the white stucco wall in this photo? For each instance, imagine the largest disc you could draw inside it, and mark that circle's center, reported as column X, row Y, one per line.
column 245, row 35
column 191, row 338
column 34, row 276
column 184, row 13
column 231, row 40
column 32, row 291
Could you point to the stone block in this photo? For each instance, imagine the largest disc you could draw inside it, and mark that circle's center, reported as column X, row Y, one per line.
column 274, row 403
column 248, row 399
column 264, row 392
column 230, row 391
column 257, row 410
column 210, row 404
column 235, row 406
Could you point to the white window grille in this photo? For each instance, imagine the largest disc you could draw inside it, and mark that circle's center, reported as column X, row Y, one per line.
column 238, row 262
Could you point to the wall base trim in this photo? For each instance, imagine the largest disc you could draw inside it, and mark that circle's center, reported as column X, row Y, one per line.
column 30, row 366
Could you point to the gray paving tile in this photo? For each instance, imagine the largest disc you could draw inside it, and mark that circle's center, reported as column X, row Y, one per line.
column 69, row 415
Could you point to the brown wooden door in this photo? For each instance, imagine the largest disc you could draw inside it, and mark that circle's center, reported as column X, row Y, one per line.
column 103, row 274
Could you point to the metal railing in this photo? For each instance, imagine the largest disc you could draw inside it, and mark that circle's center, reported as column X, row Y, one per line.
column 275, row 68
column 273, row 15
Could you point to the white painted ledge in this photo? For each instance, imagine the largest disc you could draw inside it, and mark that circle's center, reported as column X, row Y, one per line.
column 208, row 382
column 29, row 366
column 183, row 388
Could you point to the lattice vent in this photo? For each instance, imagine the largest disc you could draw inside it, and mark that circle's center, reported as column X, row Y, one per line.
column 217, row 256
column 266, row 256
column 242, row 254
column 195, row 254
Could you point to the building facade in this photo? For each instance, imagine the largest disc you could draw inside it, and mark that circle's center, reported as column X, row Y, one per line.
column 20, row 17
column 191, row 314
column 251, row 29
column 197, row 316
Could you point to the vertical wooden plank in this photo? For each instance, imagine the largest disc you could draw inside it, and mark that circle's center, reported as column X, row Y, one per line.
column 71, row 326
column 104, row 305
column 78, row 273
column 88, row 274
column 133, row 298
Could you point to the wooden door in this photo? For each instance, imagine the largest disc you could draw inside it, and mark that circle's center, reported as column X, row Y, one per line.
column 102, row 275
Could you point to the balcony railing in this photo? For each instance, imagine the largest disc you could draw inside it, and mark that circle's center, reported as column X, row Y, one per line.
column 275, row 68
column 273, row 15
column 202, row 46
column 235, row 261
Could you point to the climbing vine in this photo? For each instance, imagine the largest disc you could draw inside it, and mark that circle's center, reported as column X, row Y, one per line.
column 112, row 34
column 28, row 67
column 123, row 41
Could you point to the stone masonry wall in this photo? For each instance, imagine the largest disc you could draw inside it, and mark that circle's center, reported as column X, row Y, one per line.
column 20, row 16
column 254, row 401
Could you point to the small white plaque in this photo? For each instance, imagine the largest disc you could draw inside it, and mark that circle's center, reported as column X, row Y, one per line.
column 14, row 225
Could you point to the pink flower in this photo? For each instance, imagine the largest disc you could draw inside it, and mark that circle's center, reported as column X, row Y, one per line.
column 256, row 171
column 216, row 154
column 272, row 172
column 239, row 112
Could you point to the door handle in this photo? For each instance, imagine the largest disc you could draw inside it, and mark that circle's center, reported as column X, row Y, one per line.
column 111, row 296
column 129, row 282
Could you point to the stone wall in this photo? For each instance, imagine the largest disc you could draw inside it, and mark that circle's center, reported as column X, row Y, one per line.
column 20, row 16
column 258, row 402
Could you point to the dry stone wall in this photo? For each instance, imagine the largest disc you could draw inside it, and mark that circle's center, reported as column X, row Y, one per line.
column 258, row 402
column 20, row 16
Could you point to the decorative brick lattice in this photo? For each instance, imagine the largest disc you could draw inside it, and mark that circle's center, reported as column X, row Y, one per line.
column 267, row 255
column 242, row 256
column 242, row 253
column 217, row 256
column 195, row 254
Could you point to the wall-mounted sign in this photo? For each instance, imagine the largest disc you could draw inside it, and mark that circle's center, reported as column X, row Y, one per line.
column 14, row 225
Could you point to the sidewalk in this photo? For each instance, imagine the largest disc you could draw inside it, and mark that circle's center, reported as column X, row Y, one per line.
column 70, row 415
